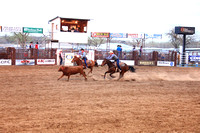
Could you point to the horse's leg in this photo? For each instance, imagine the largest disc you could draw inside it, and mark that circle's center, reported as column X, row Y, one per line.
column 105, row 74
column 68, row 77
column 112, row 70
column 91, row 68
column 84, row 75
column 121, row 74
column 61, row 76
column 112, row 75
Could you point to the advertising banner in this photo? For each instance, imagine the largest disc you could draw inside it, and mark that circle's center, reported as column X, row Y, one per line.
column 118, row 35
column 32, row 30
column 11, row 29
column 165, row 63
column 100, row 34
column 132, row 35
column 185, row 30
column 155, row 36
column 146, row 63
column 5, row 62
column 46, row 61
column 129, row 62
column 25, row 62
column 194, row 58
column 68, row 58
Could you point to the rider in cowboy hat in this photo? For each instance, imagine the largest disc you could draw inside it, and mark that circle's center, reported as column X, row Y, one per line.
column 83, row 56
column 114, row 57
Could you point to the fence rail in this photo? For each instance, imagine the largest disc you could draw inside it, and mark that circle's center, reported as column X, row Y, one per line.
column 12, row 53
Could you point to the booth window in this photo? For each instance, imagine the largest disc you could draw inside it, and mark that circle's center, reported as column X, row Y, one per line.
column 73, row 25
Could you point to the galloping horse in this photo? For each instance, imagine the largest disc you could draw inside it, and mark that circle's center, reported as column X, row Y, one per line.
column 79, row 62
column 112, row 68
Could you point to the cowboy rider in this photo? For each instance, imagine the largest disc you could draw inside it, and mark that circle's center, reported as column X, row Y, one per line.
column 114, row 57
column 83, row 56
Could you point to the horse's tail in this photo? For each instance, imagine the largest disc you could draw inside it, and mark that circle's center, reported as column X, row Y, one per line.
column 131, row 68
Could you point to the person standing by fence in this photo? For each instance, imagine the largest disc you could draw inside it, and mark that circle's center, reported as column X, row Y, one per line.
column 31, row 45
column 61, row 57
column 119, row 51
column 141, row 50
column 37, row 48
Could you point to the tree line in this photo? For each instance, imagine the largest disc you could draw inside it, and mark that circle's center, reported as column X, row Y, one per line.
column 175, row 40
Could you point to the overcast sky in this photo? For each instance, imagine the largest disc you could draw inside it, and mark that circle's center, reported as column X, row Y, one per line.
column 120, row 16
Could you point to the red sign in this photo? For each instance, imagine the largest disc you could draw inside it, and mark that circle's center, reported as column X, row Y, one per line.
column 100, row 34
column 132, row 35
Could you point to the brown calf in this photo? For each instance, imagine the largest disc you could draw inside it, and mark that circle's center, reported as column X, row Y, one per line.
column 71, row 70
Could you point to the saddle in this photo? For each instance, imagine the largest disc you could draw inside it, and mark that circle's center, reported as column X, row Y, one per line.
column 120, row 64
column 88, row 62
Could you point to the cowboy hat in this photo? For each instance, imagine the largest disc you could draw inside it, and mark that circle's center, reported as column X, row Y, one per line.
column 111, row 52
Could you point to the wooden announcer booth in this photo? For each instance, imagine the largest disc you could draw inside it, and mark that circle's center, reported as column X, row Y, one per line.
column 70, row 30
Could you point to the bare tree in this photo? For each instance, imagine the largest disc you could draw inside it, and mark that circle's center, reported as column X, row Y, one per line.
column 21, row 38
column 177, row 40
column 96, row 41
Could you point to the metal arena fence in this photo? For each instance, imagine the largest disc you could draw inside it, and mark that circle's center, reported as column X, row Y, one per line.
column 13, row 54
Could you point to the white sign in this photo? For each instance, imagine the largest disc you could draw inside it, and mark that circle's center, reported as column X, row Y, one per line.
column 5, row 62
column 46, row 61
column 11, row 29
column 90, row 55
column 165, row 63
column 128, row 62
column 25, row 62
column 68, row 58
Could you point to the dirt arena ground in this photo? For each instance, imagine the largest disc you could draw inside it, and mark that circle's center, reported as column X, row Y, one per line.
column 154, row 99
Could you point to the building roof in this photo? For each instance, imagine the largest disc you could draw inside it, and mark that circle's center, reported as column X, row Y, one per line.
column 69, row 18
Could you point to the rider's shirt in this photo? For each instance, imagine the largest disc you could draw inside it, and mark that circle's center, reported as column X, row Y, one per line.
column 83, row 55
column 112, row 57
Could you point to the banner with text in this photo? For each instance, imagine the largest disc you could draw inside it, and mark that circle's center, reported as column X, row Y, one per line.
column 118, row 35
column 100, row 34
column 68, row 58
column 11, row 29
column 4, row 62
column 165, row 63
column 32, row 30
column 46, row 61
column 25, row 62
column 146, row 63
column 154, row 36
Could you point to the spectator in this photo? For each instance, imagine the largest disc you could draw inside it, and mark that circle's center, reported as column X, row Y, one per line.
column 134, row 49
column 61, row 57
column 141, row 50
column 119, row 51
column 76, row 30
column 37, row 47
column 31, row 45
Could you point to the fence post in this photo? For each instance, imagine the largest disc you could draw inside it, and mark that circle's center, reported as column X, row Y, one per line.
column 13, row 55
column 175, row 57
column 155, row 57
column 53, row 55
column 135, row 57
column 36, row 55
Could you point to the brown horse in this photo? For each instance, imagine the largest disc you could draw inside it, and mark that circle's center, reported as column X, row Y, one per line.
column 113, row 69
column 79, row 62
